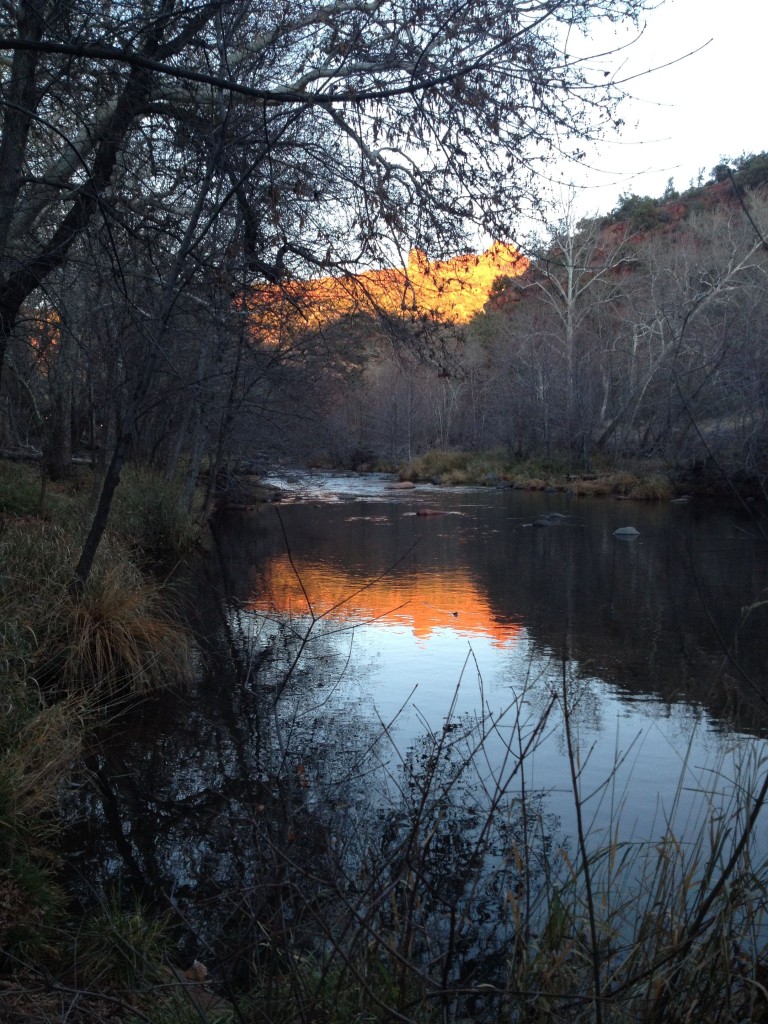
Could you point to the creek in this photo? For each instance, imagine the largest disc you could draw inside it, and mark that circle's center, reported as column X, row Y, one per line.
column 355, row 630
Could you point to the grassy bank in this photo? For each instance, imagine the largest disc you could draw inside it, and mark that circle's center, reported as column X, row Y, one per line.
column 68, row 664
column 638, row 481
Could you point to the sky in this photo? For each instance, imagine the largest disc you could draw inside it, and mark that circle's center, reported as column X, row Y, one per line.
column 683, row 118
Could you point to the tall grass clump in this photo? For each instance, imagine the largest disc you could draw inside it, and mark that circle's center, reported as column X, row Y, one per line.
column 25, row 492
column 433, row 465
column 121, row 945
column 20, row 489
column 117, row 639
column 39, row 746
column 485, row 468
column 33, row 767
column 458, row 468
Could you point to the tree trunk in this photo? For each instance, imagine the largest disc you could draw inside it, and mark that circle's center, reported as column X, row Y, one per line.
column 191, row 410
column 100, row 519
column 153, row 351
column 226, row 426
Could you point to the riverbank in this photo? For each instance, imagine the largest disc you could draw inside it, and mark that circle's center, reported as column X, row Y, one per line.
column 638, row 480
column 71, row 664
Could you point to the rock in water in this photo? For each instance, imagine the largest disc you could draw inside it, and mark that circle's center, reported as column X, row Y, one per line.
column 626, row 531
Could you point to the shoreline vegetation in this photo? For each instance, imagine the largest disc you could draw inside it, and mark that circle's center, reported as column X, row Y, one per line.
column 627, row 479
column 494, row 469
column 380, row 927
column 71, row 664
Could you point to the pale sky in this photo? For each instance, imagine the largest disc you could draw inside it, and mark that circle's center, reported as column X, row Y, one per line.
column 685, row 117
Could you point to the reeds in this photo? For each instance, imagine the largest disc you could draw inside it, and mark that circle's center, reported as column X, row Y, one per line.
column 117, row 639
column 637, row 487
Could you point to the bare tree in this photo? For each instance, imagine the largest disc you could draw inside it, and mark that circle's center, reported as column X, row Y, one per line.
column 577, row 276
column 352, row 125
column 685, row 331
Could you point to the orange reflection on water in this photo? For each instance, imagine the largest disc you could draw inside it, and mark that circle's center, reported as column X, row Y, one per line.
column 424, row 601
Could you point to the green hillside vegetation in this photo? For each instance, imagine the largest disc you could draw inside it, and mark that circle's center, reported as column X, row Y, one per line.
column 642, row 213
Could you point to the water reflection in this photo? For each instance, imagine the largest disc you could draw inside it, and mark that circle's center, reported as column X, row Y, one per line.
column 353, row 642
column 424, row 601
column 640, row 635
column 661, row 616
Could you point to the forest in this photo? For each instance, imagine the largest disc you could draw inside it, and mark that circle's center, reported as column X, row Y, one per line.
column 634, row 336
column 637, row 337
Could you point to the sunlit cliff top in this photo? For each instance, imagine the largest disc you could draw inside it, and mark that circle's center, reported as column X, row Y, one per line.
column 446, row 291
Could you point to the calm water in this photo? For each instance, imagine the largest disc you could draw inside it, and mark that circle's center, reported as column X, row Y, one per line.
column 483, row 598
column 357, row 628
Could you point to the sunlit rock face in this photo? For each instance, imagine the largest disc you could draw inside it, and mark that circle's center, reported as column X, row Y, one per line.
column 455, row 290
column 445, row 291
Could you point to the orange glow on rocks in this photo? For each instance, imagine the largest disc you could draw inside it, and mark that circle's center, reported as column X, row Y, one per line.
column 446, row 291
column 424, row 602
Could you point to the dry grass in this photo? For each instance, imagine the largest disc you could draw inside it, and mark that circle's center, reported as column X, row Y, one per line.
column 652, row 488
column 435, row 465
column 65, row 661
column 43, row 753
column 119, row 639
column 530, row 483
column 121, row 946
column 655, row 487
column 639, row 483
column 44, row 747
